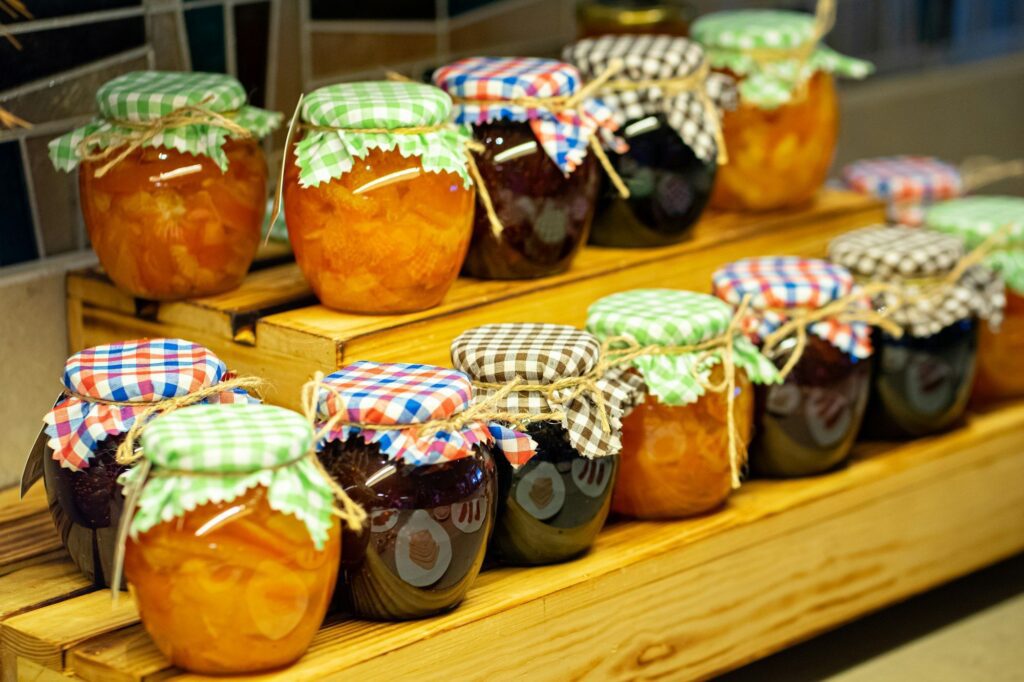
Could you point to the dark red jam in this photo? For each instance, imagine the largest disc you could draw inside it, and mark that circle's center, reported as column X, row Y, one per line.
column 545, row 215
column 553, row 507
column 86, row 508
column 669, row 187
column 808, row 424
column 922, row 385
column 428, row 529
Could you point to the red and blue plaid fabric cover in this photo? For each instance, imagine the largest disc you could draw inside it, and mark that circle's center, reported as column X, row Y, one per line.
column 904, row 177
column 383, row 394
column 792, row 282
column 564, row 135
column 143, row 371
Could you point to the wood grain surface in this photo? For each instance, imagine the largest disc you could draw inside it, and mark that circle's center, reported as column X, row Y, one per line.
column 679, row 600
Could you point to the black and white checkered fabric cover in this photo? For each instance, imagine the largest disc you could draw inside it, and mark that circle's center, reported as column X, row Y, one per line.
column 915, row 258
column 543, row 354
column 648, row 57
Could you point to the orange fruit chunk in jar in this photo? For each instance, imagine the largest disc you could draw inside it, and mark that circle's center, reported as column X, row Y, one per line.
column 675, row 459
column 232, row 587
column 386, row 237
column 167, row 225
column 999, row 372
column 778, row 157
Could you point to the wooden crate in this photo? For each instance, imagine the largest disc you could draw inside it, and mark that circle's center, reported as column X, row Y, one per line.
column 272, row 327
column 781, row 562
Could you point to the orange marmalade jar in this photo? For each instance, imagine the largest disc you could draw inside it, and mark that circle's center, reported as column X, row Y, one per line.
column 781, row 138
column 678, row 456
column 233, row 551
column 177, row 215
column 380, row 221
column 1000, row 347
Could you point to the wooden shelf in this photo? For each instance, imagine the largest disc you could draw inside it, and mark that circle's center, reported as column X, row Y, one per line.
column 272, row 327
column 781, row 562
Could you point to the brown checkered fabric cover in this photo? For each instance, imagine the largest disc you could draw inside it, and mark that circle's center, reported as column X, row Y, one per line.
column 542, row 354
column 912, row 257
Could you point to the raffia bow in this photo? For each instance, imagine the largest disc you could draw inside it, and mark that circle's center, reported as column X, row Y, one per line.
column 139, row 133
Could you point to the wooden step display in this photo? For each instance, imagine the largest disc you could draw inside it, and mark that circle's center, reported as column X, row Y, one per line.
column 272, row 327
column 782, row 561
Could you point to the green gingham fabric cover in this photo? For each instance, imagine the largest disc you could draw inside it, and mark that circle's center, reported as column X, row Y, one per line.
column 324, row 155
column 141, row 96
column 241, row 444
column 668, row 317
column 975, row 218
column 726, row 36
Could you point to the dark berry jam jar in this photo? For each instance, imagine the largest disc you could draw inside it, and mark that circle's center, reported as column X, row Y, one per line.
column 808, row 424
column 669, row 186
column 533, row 133
column 552, row 508
column 428, row 529
column 86, row 509
column 545, row 215
column 922, row 384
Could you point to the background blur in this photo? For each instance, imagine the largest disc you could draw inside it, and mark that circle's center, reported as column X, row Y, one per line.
column 950, row 82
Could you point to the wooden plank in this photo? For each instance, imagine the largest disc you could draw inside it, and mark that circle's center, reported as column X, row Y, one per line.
column 51, row 580
column 43, row 635
column 564, row 298
column 687, row 599
column 27, row 533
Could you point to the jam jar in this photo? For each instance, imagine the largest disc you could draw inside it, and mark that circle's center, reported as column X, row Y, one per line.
column 379, row 221
column 552, row 507
column 668, row 135
column 430, row 497
column 807, row 423
column 975, row 219
column 925, row 362
column 907, row 184
column 84, row 431
column 678, row 456
column 782, row 136
column 533, row 161
column 181, row 217
column 429, row 527
column 233, row 552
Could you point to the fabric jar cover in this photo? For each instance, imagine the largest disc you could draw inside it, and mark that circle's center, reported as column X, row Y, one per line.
column 544, row 354
column 143, row 371
column 668, row 317
column 907, row 183
column 974, row 219
column 483, row 87
column 390, row 394
column 657, row 57
column 777, row 284
column 915, row 259
column 238, row 447
column 730, row 37
column 140, row 97
column 336, row 114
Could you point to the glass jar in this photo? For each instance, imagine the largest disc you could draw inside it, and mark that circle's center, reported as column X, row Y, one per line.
column 552, row 508
column 168, row 225
column 675, row 458
column 86, row 509
column 922, row 384
column 545, row 214
column 385, row 237
column 232, row 587
column 808, row 424
column 669, row 187
column 778, row 157
column 606, row 17
column 1000, row 350
column 428, row 529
